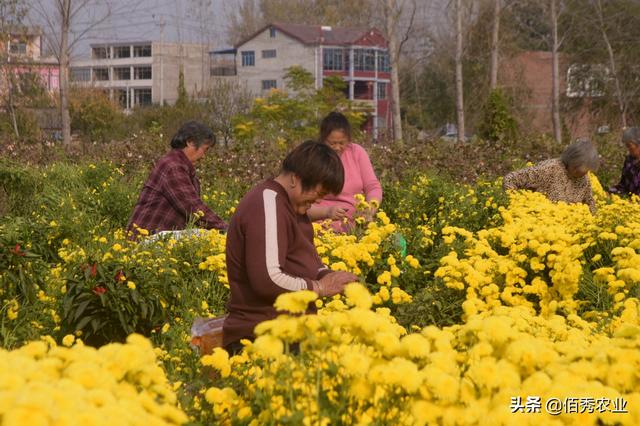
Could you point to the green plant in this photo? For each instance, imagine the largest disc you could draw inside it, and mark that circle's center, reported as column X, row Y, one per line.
column 183, row 96
column 498, row 123
column 94, row 115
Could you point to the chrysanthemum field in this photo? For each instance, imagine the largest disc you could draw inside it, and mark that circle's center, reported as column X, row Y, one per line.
column 500, row 309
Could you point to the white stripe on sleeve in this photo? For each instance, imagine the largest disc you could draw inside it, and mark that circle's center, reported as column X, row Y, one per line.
column 271, row 246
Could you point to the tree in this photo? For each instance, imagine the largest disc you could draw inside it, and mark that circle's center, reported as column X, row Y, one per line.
column 251, row 15
column 393, row 11
column 62, row 18
column 495, row 45
column 12, row 13
column 555, row 79
column 604, row 53
column 459, row 78
column 225, row 100
column 183, row 96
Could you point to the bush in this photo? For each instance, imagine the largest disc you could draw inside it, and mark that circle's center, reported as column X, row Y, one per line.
column 26, row 122
column 95, row 116
column 498, row 123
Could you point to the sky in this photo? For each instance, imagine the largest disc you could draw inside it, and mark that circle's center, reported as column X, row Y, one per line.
column 141, row 20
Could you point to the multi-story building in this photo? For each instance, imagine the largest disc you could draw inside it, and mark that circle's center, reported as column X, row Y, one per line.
column 22, row 49
column 358, row 55
column 143, row 72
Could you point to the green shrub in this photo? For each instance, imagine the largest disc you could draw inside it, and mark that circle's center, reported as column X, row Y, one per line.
column 498, row 123
column 20, row 184
column 27, row 124
column 95, row 116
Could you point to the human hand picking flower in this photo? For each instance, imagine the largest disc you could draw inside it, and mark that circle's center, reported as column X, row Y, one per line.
column 336, row 213
column 333, row 283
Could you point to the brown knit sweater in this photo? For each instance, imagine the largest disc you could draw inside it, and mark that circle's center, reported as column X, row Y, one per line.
column 270, row 251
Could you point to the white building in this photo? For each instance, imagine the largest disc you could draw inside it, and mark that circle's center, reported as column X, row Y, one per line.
column 143, row 72
column 358, row 55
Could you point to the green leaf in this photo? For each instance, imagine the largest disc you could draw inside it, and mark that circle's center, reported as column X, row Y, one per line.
column 81, row 308
column 84, row 321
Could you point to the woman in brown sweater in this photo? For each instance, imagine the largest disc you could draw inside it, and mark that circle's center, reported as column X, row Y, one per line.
column 270, row 247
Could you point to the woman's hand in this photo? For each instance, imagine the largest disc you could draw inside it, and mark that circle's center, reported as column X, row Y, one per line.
column 336, row 213
column 333, row 283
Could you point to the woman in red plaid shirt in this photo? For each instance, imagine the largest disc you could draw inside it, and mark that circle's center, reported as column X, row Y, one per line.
column 171, row 194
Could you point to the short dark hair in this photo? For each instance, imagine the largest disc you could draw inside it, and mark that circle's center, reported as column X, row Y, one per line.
column 315, row 163
column 334, row 121
column 193, row 131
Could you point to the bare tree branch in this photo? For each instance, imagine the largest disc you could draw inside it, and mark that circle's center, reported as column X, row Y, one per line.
column 409, row 27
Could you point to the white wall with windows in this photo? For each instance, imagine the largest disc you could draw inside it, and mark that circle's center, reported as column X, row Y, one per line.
column 261, row 61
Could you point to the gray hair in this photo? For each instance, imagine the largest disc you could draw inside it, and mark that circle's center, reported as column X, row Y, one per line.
column 581, row 153
column 631, row 135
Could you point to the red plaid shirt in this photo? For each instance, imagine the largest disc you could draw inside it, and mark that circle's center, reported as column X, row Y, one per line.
column 170, row 196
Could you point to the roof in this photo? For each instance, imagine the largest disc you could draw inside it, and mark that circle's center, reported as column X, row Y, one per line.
column 223, row 51
column 122, row 43
column 319, row 34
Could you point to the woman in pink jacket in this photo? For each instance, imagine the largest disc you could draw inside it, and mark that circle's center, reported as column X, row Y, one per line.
column 359, row 176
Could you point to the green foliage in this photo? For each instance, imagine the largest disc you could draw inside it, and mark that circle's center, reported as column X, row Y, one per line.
column 299, row 79
column 27, row 125
column 161, row 122
column 586, row 48
column 183, row 96
column 498, row 124
column 20, row 184
column 32, row 92
column 109, row 296
column 434, row 304
column 288, row 118
column 95, row 116
column 23, row 270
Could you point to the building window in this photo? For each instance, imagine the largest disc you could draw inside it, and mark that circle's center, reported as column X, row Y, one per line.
column 18, row 48
column 142, row 73
column 382, row 90
column 269, row 84
column 100, row 53
column 248, row 58
column 271, row 53
column 333, row 60
column 121, row 52
column 141, row 97
column 122, row 73
column 364, row 59
column 80, row 74
column 272, row 32
column 101, row 74
column 142, row 51
column 383, row 62
column 223, row 70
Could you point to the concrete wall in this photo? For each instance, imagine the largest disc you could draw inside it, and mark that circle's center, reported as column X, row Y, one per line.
column 194, row 60
column 289, row 52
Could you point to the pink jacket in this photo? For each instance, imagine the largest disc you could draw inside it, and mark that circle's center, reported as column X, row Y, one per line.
column 359, row 178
